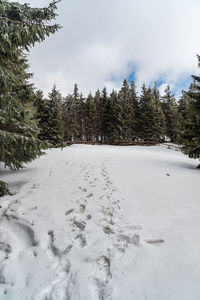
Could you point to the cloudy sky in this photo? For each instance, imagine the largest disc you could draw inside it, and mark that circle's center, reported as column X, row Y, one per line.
column 104, row 41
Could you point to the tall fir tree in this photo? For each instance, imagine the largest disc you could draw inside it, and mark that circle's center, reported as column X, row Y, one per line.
column 170, row 110
column 55, row 119
column 104, row 115
column 191, row 126
column 97, row 100
column 135, row 110
column 116, row 120
column 90, row 119
column 151, row 117
column 20, row 28
column 42, row 115
column 127, row 111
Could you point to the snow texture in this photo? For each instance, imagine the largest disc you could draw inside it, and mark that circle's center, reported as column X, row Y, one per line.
column 102, row 223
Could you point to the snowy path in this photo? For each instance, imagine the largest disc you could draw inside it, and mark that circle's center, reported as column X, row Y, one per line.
column 102, row 223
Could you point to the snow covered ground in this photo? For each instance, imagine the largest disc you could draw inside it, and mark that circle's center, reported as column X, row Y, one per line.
column 102, row 222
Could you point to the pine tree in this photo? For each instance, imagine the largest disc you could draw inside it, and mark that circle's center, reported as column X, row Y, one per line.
column 135, row 110
column 42, row 115
column 170, row 110
column 116, row 119
column 54, row 119
column 90, row 119
column 151, row 118
column 104, row 115
column 183, row 115
column 78, row 114
column 191, row 126
column 20, row 28
column 125, row 100
column 73, row 116
column 97, row 100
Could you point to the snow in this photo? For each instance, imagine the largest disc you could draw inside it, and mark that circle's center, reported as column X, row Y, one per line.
column 102, row 222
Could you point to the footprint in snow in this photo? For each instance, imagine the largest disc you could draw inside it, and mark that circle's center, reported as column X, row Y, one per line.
column 90, row 195
column 80, row 225
column 80, row 240
column 155, row 242
column 101, row 277
column 82, row 208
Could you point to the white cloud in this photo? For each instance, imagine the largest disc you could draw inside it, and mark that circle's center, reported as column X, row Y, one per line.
column 101, row 41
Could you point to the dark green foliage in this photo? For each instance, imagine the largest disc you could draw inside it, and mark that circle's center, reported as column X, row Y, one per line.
column 190, row 133
column 49, row 115
column 4, row 189
column 42, row 115
column 105, row 112
column 20, row 28
column 90, row 119
column 125, row 101
column 55, row 120
column 135, row 111
column 73, row 116
column 170, row 110
column 115, row 118
column 151, row 118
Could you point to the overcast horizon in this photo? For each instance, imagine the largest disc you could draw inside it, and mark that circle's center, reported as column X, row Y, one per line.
column 103, row 42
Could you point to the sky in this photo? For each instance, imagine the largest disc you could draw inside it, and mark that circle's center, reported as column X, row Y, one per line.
column 104, row 41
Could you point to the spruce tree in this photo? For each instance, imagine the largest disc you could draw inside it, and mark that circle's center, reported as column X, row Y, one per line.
column 90, row 119
column 125, row 100
column 151, row 118
column 104, row 115
column 20, row 28
column 73, row 118
column 42, row 115
column 191, row 125
column 78, row 115
column 170, row 110
column 134, row 110
column 54, row 118
column 97, row 100
column 116, row 120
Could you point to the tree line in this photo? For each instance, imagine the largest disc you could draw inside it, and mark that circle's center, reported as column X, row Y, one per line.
column 121, row 116
column 107, row 118
column 30, row 123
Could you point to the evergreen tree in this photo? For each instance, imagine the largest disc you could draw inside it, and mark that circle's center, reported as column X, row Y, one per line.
column 20, row 28
column 116, row 120
column 134, row 110
column 151, row 117
column 191, row 126
column 73, row 114
column 127, row 111
column 78, row 114
column 55, row 120
column 104, row 115
column 170, row 110
column 183, row 115
column 42, row 115
column 97, row 100
column 90, row 119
